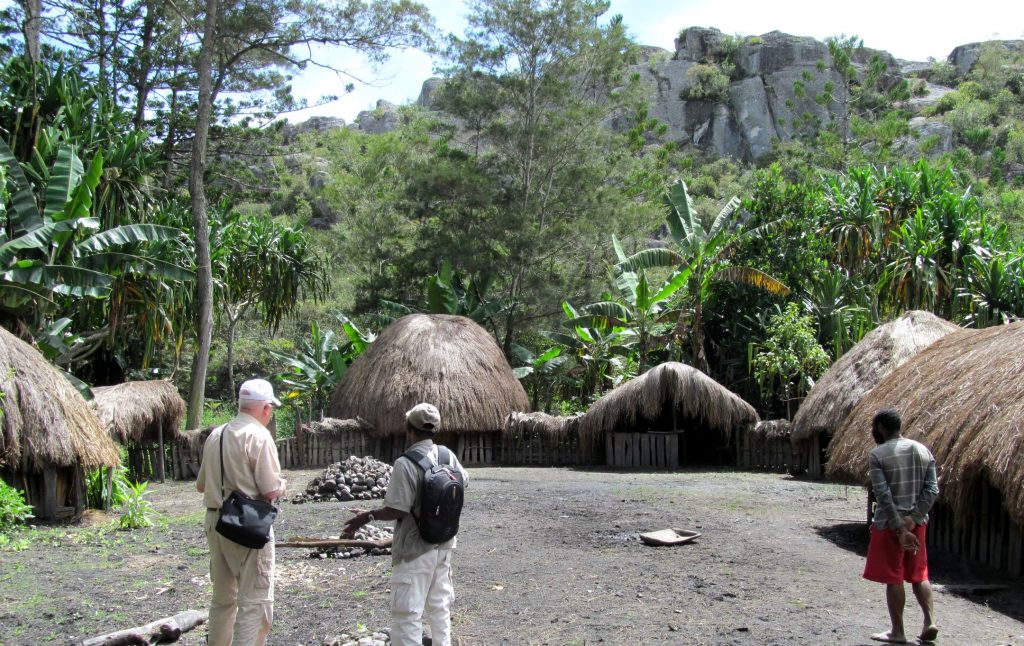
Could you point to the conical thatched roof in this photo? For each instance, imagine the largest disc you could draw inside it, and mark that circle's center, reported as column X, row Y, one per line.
column 331, row 427
column 646, row 397
column 858, row 371
column 448, row 361
column 45, row 420
column 963, row 397
column 136, row 410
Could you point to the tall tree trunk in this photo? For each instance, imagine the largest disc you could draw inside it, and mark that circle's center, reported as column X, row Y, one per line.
column 32, row 27
column 200, row 221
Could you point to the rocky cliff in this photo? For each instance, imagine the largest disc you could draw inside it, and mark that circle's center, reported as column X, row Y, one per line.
column 765, row 89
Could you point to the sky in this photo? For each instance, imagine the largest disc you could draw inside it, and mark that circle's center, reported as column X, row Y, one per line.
column 908, row 29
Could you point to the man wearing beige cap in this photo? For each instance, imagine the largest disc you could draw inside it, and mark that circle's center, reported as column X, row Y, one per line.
column 421, row 580
column 243, row 579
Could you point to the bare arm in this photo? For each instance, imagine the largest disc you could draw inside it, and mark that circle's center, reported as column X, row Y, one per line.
column 363, row 516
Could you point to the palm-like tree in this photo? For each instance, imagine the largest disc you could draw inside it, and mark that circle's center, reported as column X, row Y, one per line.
column 701, row 259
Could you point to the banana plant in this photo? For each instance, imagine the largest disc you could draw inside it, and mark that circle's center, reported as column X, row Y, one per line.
column 600, row 342
column 321, row 362
column 540, row 374
column 701, row 259
column 55, row 254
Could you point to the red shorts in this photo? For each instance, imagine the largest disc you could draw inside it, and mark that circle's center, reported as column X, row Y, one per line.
column 889, row 563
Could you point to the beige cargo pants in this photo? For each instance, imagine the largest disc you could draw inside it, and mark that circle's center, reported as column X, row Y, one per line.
column 243, row 590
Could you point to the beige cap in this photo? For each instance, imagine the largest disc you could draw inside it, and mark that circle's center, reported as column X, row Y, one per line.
column 424, row 417
column 258, row 390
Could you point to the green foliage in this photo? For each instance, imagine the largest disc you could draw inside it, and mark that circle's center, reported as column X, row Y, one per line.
column 13, row 511
column 707, row 82
column 136, row 512
column 788, row 361
column 320, row 363
column 96, row 484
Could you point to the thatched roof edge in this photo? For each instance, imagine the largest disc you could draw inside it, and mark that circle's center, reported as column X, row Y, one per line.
column 859, row 370
column 136, row 410
column 963, row 397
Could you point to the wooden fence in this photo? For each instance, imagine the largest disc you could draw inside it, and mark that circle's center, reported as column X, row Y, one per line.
column 755, row 451
column 540, row 449
column 989, row 537
column 642, row 450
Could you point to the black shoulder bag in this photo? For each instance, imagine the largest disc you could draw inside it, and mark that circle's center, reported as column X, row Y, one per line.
column 242, row 519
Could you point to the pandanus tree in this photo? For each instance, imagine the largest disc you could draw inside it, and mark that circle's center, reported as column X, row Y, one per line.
column 260, row 265
column 700, row 259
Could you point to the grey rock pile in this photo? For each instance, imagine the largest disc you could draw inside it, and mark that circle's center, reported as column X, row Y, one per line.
column 364, row 533
column 353, row 479
column 361, row 638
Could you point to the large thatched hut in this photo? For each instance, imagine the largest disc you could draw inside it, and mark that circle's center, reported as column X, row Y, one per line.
column 672, row 414
column 449, row 361
column 964, row 398
column 144, row 416
column 50, row 437
column 858, row 371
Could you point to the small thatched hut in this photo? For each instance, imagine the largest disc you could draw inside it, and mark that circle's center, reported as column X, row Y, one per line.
column 697, row 414
column 50, row 437
column 542, row 439
column 858, row 371
column 142, row 416
column 963, row 397
column 449, row 361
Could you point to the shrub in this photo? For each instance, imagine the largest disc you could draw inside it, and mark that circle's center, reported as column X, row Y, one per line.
column 707, row 83
column 96, row 481
column 137, row 511
column 14, row 512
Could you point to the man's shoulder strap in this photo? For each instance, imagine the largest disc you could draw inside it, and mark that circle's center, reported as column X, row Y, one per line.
column 422, row 458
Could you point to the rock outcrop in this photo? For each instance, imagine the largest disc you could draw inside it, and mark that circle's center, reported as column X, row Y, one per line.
column 774, row 88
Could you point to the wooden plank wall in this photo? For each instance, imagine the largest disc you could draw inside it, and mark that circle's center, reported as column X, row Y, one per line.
column 777, row 454
column 642, row 450
column 991, row 537
column 538, row 449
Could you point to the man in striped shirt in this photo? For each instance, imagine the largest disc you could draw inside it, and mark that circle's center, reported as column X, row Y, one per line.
column 905, row 486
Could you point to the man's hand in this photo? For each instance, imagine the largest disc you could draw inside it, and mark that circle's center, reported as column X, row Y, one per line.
column 907, row 540
column 360, row 518
column 909, row 524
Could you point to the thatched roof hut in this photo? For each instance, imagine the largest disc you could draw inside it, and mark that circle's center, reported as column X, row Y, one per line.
column 650, row 401
column 46, row 422
column 449, row 361
column 138, row 411
column 963, row 397
column 858, row 371
column 555, row 428
column 331, row 427
column 772, row 429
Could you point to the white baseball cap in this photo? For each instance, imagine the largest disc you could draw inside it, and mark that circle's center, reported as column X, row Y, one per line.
column 424, row 417
column 258, row 390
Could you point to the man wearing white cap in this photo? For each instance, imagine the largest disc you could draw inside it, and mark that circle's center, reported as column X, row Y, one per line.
column 421, row 579
column 242, row 609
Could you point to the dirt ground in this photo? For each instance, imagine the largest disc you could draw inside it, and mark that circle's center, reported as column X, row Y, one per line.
column 546, row 556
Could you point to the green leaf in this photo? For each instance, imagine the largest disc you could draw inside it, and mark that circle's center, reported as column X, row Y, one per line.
column 128, row 234
column 650, row 259
column 80, row 204
column 522, row 371
column 25, row 211
column 64, row 179
column 441, row 297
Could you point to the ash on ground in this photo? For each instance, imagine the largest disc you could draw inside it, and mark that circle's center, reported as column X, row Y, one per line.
column 364, row 533
column 352, row 479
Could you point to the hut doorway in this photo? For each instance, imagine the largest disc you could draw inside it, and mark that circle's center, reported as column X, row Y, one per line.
column 700, row 444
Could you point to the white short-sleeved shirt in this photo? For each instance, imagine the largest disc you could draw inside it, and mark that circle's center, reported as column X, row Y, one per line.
column 402, row 488
column 251, row 464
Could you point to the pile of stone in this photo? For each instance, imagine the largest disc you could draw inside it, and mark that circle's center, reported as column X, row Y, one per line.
column 361, row 637
column 364, row 533
column 352, row 479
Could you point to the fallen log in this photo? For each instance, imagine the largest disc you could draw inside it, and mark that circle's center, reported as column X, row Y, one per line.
column 300, row 541
column 161, row 631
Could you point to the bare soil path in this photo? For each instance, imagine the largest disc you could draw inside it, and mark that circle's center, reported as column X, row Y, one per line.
column 546, row 556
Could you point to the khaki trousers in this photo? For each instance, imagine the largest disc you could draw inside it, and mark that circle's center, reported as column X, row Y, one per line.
column 243, row 590
column 421, row 588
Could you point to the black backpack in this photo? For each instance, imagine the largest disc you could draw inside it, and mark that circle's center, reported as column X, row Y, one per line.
column 440, row 496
